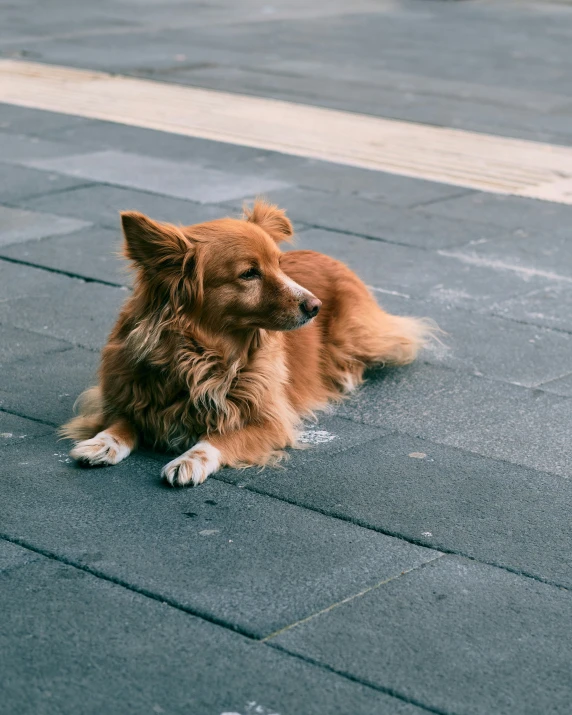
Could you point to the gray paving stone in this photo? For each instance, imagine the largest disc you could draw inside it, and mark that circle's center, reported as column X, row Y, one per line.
column 443, row 497
column 560, row 386
column 252, row 562
column 114, row 651
column 510, row 212
column 18, row 225
column 58, row 306
column 27, row 121
column 349, row 181
column 90, row 253
column 478, row 639
column 101, row 205
column 13, row 556
column 449, row 406
column 46, row 387
column 14, row 428
column 97, row 135
column 539, row 438
column 16, row 148
column 412, row 272
column 20, row 182
column 188, row 181
column 372, row 218
column 16, row 344
column 489, row 345
column 548, row 250
column 550, row 306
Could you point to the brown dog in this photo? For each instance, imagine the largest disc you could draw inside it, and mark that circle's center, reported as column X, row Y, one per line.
column 226, row 343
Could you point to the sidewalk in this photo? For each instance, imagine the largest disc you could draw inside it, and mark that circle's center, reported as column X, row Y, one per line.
column 417, row 557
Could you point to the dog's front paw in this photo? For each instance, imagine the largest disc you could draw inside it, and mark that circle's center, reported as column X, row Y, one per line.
column 102, row 449
column 192, row 467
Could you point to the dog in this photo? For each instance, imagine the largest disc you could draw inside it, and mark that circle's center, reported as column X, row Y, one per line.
column 227, row 343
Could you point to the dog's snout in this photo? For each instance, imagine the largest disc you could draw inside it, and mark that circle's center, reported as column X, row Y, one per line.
column 310, row 307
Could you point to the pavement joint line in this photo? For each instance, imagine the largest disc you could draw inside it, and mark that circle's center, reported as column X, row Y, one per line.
column 324, row 512
column 439, row 199
column 55, row 192
column 361, row 681
column 61, row 271
column 348, row 599
column 27, row 417
column 445, row 551
column 148, row 594
column 130, row 587
column 472, row 160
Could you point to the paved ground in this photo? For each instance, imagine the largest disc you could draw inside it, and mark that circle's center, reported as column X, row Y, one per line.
column 417, row 558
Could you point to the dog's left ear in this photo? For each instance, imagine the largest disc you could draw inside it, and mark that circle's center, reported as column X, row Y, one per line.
column 270, row 218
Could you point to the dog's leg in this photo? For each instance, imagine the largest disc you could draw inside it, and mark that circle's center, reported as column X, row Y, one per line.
column 254, row 444
column 108, row 447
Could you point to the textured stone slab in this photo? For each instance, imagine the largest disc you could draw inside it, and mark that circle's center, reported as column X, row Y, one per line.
column 98, row 135
column 16, row 344
column 538, row 437
column 509, row 212
column 411, row 272
column 192, row 182
column 20, row 182
column 26, row 121
column 14, row 428
column 56, row 305
column 47, row 386
column 252, row 562
column 372, row 218
column 17, row 225
column 476, row 638
column 489, row 345
column 443, row 497
column 13, row 556
column 547, row 251
column 101, row 205
column 436, row 403
column 560, row 386
column 89, row 253
column 550, row 306
column 114, row 651
column 18, row 148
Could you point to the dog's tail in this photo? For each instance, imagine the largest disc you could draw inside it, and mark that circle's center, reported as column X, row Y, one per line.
column 384, row 339
column 402, row 337
column 90, row 418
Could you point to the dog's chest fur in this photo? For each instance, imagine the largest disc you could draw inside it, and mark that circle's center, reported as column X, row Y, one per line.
column 181, row 390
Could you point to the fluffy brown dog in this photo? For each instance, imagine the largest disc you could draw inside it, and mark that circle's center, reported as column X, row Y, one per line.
column 226, row 343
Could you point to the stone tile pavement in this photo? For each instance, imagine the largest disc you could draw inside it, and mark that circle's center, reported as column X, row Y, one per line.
column 417, row 556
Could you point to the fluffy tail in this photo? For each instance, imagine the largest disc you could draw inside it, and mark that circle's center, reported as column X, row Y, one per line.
column 402, row 337
column 90, row 419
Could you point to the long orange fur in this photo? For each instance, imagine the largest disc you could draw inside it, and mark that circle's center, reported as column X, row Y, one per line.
column 202, row 353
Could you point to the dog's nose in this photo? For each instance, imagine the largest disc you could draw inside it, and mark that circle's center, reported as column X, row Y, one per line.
column 310, row 307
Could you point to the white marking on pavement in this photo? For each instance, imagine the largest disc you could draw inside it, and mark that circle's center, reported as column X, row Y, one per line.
column 474, row 260
column 461, row 158
column 315, row 436
column 418, row 455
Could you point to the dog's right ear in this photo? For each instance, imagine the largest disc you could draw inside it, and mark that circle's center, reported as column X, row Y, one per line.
column 154, row 246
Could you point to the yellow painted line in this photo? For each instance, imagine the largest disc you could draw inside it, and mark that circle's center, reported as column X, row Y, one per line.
column 451, row 156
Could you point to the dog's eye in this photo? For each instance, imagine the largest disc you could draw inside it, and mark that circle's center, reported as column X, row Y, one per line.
column 251, row 274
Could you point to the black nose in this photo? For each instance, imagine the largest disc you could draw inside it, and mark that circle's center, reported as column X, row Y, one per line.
column 310, row 307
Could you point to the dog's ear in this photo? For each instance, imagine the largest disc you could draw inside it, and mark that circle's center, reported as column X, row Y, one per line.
column 270, row 218
column 154, row 246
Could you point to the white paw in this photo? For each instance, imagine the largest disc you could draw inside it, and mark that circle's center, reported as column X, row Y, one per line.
column 193, row 466
column 101, row 449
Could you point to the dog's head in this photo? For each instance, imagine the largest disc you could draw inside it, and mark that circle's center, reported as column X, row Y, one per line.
column 226, row 272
